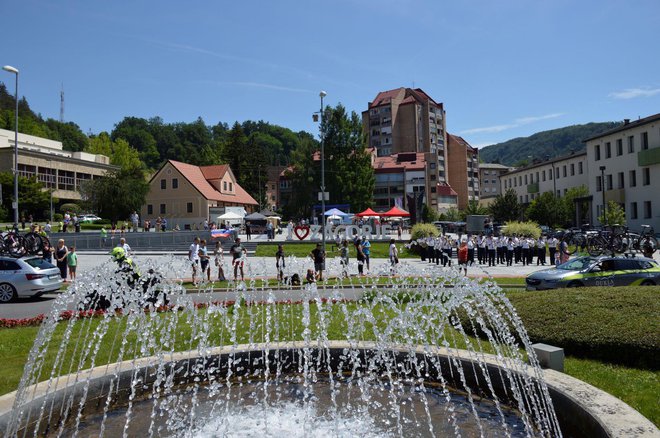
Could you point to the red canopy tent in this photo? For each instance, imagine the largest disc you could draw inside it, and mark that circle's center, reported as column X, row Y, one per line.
column 395, row 212
column 368, row 212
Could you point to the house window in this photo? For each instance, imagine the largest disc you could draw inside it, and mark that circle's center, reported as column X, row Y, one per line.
column 608, row 150
column 564, row 171
column 549, row 174
column 631, row 144
column 543, row 173
column 572, row 169
column 525, row 179
column 432, row 165
column 620, row 180
column 231, row 187
column 163, row 184
column 150, row 209
column 632, row 178
column 557, row 172
column 646, row 176
column 633, row 210
column 599, row 184
column 224, row 185
column 610, row 182
column 645, row 140
column 619, row 148
column 580, row 167
column 175, row 183
column 189, row 207
column 163, row 210
column 647, row 210
column 597, row 152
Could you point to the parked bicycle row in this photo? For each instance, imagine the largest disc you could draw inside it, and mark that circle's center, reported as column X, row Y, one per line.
column 614, row 239
column 18, row 245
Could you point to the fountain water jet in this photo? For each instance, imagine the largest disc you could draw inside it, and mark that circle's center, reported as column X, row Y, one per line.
column 389, row 363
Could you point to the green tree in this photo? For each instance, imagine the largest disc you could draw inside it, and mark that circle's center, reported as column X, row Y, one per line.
column 473, row 207
column 571, row 206
column 349, row 173
column 116, row 195
column 136, row 132
column 303, row 177
column 120, row 152
column 506, row 207
column 547, row 209
column 615, row 215
column 33, row 199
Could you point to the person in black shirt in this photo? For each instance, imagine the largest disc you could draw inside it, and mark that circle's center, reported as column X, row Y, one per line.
column 318, row 255
column 279, row 262
column 237, row 250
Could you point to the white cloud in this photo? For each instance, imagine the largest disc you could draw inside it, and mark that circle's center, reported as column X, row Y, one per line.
column 516, row 123
column 631, row 93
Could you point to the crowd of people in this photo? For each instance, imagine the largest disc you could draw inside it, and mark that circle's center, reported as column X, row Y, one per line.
column 492, row 250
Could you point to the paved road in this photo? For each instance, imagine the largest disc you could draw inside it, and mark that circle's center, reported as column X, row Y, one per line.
column 175, row 266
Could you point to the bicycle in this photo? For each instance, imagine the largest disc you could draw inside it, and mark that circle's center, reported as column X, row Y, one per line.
column 12, row 244
column 575, row 239
column 646, row 242
column 35, row 243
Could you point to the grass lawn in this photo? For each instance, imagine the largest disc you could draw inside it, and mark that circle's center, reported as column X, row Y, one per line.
column 640, row 388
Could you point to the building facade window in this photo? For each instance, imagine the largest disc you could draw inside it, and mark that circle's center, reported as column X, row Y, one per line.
column 620, row 178
column 572, row 169
column 557, row 172
column 608, row 150
column 150, row 209
column 632, row 178
column 599, row 184
column 631, row 144
column 647, row 210
column 597, row 152
column 580, row 168
column 646, row 176
column 175, row 183
column 564, row 171
column 633, row 210
column 163, row 209
column 231, row 187
column 645, row 140
column 163, row 184
column 189, row 207
column 609, row 182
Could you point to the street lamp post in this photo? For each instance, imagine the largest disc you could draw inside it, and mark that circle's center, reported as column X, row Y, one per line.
column 602, row 186
column 322, row 94
column 13, row 70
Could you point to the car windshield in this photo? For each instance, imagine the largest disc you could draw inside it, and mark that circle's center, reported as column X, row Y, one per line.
column 578, row 264
column 38, row 263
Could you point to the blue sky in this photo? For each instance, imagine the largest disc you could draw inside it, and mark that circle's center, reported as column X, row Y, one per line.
column 503, row 69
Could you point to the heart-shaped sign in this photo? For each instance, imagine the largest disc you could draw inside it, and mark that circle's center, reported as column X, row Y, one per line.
column 301, row 231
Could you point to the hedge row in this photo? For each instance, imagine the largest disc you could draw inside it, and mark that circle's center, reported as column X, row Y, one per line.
column 613, row 324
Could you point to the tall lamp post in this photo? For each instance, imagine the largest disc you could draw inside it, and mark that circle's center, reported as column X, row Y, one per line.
column 602, row 186
column 322, row 94
column 13, row 70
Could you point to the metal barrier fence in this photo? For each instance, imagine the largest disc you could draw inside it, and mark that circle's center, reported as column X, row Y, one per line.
column 170, row 240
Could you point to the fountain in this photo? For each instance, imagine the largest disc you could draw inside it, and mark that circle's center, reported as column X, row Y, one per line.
column 394, row 358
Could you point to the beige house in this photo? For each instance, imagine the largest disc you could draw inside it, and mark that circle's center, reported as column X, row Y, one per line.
column 186, row 195
column 60, row 170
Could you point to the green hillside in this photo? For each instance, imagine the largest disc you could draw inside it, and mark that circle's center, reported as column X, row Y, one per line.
column 553, row 143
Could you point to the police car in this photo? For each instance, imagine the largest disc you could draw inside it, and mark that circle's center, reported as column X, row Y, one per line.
column 597, row 271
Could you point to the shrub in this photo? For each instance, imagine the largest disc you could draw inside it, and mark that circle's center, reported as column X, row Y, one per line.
column 613, row 324
column 70, row 206
column 522, row 229
column 423, row 230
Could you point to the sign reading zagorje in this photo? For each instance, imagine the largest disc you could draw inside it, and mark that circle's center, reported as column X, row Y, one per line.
column 341, row 232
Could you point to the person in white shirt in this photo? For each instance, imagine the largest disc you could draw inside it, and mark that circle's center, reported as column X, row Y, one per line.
column 525, row 250
column 127, row 248
column 509, row 251
column 540, row 251
column 552, row 247
column 394, row 256
column 193, row 258
column 470, row 248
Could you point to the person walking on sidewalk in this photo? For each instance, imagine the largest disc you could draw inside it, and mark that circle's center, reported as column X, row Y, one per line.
column 238, row 253
column 193, row 258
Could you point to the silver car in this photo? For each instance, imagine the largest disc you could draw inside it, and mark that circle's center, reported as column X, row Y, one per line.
column 597, row 271
column 27, row 277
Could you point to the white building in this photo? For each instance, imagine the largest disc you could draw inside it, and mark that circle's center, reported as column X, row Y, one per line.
column 628, row 157
column 489, row 178
column 556, row 176
column 63, row 171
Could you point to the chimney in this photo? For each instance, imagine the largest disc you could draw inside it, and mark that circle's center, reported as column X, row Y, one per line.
column 626, row 121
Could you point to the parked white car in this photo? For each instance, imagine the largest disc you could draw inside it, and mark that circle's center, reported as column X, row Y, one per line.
column 30, row 276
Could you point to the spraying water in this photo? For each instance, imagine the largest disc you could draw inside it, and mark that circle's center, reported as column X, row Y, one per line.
column 431, row 353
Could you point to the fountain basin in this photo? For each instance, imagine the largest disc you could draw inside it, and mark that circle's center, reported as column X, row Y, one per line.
column 582, row 410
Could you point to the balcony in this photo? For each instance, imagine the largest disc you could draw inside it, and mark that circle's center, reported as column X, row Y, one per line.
column 648, row 157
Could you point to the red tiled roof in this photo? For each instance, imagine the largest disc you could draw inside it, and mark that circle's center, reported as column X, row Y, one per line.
column 385, row 97
column 408, row 100
column 460, row 140
column 396, row 162
column 446, row 190
column 425, row 96
column 199, row 177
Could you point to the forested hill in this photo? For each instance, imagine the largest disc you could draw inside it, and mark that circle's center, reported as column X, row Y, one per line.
column 553, row 143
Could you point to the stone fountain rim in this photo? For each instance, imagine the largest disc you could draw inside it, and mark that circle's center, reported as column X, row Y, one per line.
column 616, row 418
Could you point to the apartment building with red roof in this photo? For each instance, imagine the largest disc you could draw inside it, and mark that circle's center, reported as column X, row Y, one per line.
column 409, row 120
column 186, row 194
